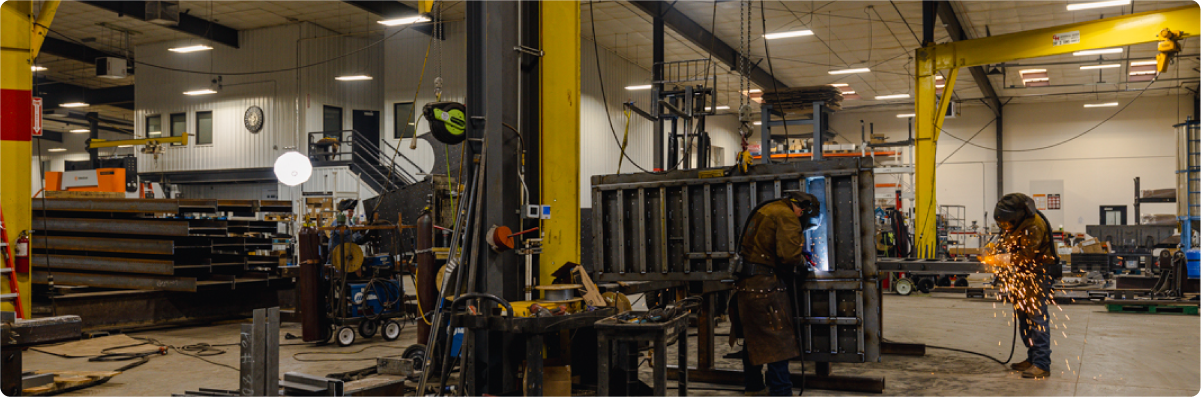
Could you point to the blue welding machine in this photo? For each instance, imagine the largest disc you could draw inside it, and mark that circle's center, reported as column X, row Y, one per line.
column 379, row 296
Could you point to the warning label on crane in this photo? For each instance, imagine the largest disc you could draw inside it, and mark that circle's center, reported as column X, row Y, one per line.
column 1059, row 39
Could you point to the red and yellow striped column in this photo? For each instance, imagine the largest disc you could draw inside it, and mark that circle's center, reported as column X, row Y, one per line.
column 16, row 126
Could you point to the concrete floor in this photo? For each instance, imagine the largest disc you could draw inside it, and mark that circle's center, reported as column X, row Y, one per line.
column 1102, row 354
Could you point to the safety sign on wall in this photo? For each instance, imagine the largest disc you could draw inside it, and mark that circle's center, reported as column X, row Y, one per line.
column 37, row 116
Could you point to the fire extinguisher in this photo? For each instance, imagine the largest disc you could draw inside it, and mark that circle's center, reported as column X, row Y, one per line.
column 22, row 254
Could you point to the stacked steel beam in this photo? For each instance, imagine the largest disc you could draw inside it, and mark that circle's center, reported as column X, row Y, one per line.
column 149, row 244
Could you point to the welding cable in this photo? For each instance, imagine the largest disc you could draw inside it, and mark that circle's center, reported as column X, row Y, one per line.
column 1012, row 346
column 296, row 356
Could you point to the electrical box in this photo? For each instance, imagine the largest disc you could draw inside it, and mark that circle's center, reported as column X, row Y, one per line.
column 162, row 12
column 111, row 68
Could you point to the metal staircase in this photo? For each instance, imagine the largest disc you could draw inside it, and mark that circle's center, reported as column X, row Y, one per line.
column 376, row 166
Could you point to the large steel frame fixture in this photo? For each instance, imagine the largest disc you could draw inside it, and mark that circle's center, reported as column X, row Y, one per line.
column 684, row 226
column 1126, row 30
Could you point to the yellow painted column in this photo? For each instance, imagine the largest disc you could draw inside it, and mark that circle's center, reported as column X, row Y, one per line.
column 16, row 127
column 560, row 136
column 926, row 206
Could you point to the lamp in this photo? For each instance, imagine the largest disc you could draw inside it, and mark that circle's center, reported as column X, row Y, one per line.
column 293, row 168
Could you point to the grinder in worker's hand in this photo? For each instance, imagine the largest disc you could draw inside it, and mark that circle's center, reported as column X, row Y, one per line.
column 447, row 120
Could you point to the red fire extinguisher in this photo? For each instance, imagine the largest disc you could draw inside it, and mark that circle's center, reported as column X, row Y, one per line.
column 22, row 254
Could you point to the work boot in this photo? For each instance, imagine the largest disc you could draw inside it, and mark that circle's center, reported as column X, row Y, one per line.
column 1034, row 372
column 1022, row 366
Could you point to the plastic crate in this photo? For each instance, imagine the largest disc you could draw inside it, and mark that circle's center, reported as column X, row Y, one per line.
column 1192, row 261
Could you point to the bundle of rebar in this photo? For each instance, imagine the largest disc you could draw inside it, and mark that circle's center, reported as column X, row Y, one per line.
column 154, row 244
column 800, row 99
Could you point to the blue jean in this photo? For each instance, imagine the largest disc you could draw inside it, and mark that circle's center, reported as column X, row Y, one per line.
column 1036, row 334
column 779, row 379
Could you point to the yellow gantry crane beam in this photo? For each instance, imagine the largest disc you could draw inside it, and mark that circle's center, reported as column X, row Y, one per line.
column 103, row 143
column 1121, row 31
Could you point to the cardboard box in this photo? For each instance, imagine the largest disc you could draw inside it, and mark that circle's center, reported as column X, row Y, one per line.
column 556, row 381
column 1091, row 246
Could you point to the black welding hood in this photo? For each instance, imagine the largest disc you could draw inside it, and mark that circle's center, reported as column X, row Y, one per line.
column 810, row 208
column 1012, row 209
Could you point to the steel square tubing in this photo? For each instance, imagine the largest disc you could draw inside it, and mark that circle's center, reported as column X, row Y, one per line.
column 120, row 281
column 621, row 232
column 100, row 244
column 663, row 243
column 735, row 179
column 708, row 208
column 104, row 264
column 113, row 226
column 641, row 231
column 107, row 205
column 730, row 221
column 685, row 210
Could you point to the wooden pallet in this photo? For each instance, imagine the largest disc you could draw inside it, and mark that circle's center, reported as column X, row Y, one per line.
column 1151, row 308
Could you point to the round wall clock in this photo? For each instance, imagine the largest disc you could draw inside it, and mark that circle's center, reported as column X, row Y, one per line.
column 253, row 119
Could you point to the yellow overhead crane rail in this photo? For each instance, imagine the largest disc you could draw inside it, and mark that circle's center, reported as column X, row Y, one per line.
column 103, row 143
column 1163, row 26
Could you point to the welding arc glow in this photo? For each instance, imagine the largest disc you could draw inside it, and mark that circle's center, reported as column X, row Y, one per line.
column 815, row 237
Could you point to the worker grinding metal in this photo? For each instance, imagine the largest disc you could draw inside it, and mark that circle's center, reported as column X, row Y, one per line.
column 773, row 257
column 1025, row 269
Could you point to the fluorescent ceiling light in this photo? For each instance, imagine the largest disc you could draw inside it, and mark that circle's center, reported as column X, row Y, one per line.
column 848, row 92
column 754, row 90
column 1144, row 73
column 205, row 91
column 1143, row 63
column 939, row 85
column 638, row 87
column 1103, row 66
column 1098, row 52
column 784, row 35
column 937, row 77
column 1101, row 105
column 80, row 130
column 905, row 115
column 849, row 71
column 722, row 107
column 894, row 96
column 1032, row 71
column 357, row 77
column 191, row 48
column 74, row 105
column 839, row 85
column 404, row 21
column 36, row 68
column 1099, row 4
column 1035, row 80
column 124, row 145
column 757, row 123
column 57, row 149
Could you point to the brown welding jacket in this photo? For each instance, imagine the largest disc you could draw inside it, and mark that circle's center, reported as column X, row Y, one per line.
column 772, row 238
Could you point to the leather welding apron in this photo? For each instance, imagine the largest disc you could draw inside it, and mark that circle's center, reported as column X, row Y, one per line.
column 765, row 314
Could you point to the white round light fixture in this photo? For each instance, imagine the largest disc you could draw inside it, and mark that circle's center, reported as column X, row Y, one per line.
column 293, row 168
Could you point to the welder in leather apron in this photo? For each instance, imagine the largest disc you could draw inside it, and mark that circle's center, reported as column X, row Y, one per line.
column 773, row 254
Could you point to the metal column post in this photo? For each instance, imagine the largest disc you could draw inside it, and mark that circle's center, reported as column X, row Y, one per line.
column 924, row 206
column 561, row 137
column 1000, row 152
column 94, row 133
column 765, row 134
column 818, row 143
column 657, row 76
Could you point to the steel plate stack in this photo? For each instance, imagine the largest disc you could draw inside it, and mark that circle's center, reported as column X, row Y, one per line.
column 154, row 244
column 800, row 99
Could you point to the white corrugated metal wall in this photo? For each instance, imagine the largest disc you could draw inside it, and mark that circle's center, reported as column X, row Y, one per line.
column 159, row 91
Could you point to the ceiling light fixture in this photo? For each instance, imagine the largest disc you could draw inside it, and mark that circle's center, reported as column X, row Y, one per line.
column 57, row 149
column 849, row 71
column 357, row 77
column 1035, row 80
column 191, row 48
column 839, row 85
column 124, row 145
column 1143, row 63
column 638, row 87
column 1099, row 4
column 404, row 21
column 36, row 68
column 205, row 91
column 293, row 168
column 80, row 131
column 722, row 107
column 1102, row 66
column 1097, row 52
column 939, row 85
column 894, row 96
column 937, row 77
column 74, row 105
column 757, row 123
column 905, row 115
column 1026, row 71
column 1144, row 73
column 848, row 92
column 1101, row 105
column 784, row 35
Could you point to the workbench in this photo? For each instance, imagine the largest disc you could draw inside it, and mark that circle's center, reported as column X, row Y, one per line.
column 612, row 330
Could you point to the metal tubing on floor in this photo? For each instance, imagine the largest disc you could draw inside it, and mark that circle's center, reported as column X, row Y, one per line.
column 862, row 384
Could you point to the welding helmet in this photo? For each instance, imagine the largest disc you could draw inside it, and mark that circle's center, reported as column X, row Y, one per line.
column 809, row 205
column 1012, row 209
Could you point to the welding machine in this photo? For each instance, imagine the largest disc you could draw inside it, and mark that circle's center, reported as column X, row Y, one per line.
column 374, row 297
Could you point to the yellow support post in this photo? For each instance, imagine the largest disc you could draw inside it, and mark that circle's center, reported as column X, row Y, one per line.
column 16, row 127
column 925, row 206
column 560, row 136
column 41, row 26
